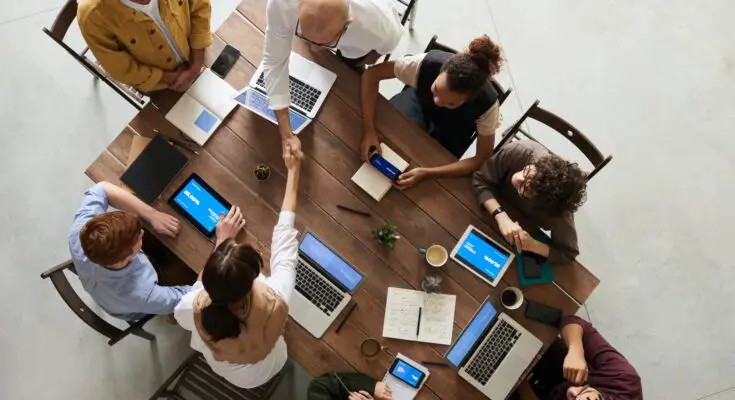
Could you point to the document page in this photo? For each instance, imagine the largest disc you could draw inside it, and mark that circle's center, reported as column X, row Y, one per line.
column 402, row 310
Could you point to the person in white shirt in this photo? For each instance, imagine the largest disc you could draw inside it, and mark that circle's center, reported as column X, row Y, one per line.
column 353, row 27
column 236, row 313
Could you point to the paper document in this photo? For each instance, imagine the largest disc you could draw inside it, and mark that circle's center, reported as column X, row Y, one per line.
column 202, row 108
column 373, row 181
column 402, row 316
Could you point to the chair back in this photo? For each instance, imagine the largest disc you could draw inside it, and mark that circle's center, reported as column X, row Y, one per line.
column 502, row 92
column 409, row 5
column 564, row 128
column 63, row 21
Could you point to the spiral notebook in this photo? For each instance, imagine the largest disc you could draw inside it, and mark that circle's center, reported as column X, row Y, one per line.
column 420, row 316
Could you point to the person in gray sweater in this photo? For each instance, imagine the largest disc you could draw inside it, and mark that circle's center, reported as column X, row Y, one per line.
column 525, row 176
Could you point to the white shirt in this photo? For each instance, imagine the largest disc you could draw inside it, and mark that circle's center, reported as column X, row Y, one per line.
column 284, row 255
column 375, row 26
column 152, row 11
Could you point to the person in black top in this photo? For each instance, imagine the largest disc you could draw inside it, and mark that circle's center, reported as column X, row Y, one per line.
column 448, row 95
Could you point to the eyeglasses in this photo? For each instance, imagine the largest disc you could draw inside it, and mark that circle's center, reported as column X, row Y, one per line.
column 330, row 45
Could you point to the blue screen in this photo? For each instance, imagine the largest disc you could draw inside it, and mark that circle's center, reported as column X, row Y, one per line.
column 470, row 335
column 330, row 262
column 385, row 167
column 198, row 203
column 259, row 102
column 482, row 254
column 407, row 373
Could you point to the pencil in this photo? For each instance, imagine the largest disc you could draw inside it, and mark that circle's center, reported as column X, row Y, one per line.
column 435, row 363
column 349, row 312
column 418, row 325
column 363, row 213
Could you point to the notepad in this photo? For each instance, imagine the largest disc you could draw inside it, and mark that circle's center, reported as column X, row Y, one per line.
column 202, row 108
column 373, row 181
column 402, row 316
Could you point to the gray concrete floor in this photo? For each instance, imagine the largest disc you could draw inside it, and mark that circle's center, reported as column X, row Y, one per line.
column 652, row 83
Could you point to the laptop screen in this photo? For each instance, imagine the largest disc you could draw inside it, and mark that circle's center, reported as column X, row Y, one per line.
column 482, row 255
column 330, row 262
column 471, row 334
column 257, row 101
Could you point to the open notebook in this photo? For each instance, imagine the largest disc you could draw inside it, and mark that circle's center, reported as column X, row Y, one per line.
column 202, row 108
column 373, row 181
column 408, row 312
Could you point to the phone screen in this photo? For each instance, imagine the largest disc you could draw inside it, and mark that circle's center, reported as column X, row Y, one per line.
column 224, row 62
column 377, row 161
column 532, row 265
column 407, row 373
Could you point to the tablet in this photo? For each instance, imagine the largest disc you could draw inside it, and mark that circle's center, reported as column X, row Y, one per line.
column 199, row 204
column 483, row 256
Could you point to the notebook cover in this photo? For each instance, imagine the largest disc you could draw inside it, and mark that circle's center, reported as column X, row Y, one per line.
column 547, row 273
column 154, row 169
column 373, row 181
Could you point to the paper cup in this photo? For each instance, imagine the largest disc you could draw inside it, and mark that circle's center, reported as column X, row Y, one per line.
column 511, row 298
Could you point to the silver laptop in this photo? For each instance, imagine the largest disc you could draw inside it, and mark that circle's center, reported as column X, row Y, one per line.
column 325, row 284
column 309, row 84
column 492, row 352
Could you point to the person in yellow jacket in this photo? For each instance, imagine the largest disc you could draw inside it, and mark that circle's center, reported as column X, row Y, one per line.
column 148, row 44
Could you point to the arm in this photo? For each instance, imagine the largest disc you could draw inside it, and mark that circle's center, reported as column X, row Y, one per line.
column 123, row 200
column 370, row 84
column 575, row 365
column 200, row 36
column 276, row 52
column 163, row 299
column 564, row 247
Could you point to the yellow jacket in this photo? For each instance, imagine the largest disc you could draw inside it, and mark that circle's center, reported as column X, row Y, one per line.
column 129, row 45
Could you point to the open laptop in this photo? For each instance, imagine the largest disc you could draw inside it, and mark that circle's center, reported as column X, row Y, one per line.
column 492, row 352
column 309, row 84
column 325, row 284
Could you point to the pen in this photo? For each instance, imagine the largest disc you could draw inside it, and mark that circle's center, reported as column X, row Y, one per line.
column 349, row 312
column 363, row 213
column 435, row 363
column 418, row 325
column 176, row 142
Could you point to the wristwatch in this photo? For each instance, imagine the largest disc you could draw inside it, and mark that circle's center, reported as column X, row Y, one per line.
column 497, row 211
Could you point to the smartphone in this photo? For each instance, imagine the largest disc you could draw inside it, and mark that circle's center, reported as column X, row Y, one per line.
column 224, row 62
column 543, row 313
column 532, row 265
column 407, row 373
column 386, row 168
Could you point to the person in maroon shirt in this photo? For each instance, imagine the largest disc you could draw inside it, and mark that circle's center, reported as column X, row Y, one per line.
column 582, row 366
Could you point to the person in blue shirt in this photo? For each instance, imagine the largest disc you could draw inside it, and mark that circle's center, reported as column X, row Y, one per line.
column 106, row 250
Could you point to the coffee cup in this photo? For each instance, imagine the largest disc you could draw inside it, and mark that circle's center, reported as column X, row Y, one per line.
column 436, row 255
column 511, row 298
column 370, row 347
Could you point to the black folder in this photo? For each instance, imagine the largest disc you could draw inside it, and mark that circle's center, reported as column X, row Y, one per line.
column 154, row 169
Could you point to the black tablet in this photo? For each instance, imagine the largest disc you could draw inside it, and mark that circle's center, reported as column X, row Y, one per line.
column 199, row 204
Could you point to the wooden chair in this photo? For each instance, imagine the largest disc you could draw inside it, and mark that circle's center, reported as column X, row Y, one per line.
column 94, row 321
column 574, row 135
column 194, row 379
column 58, row 31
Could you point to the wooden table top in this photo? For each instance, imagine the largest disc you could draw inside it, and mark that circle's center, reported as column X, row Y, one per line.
column 436, row 211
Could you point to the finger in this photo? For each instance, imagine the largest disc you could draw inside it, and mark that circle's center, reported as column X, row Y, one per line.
column 578, row 377
column 238, row 215
column 585, row 373
column 242, row 224
column 566, row 374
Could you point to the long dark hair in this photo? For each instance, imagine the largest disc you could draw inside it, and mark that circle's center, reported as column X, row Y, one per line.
column 228, row 277
column 467, row 72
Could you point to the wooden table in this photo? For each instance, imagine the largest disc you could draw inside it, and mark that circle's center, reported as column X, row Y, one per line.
column 437, row 211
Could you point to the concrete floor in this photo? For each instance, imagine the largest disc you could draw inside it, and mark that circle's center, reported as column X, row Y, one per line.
column 652, row 83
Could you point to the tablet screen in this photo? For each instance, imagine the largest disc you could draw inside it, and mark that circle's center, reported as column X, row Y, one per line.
column 482, row 255
column 199, row 204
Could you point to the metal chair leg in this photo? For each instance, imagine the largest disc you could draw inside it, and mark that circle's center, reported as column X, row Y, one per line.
column 412, row 17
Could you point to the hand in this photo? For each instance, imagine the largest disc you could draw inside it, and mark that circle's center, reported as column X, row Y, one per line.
column 292, row 162
column 163, row 223
column 383, row 392
column 369, row 139
column 170, row 77
column 361, row 395
column 229, row 225
column 185, row 79
column 510, row 230
column 411, row 178
column 292, row 147
column 575, row 366
column 528, row 243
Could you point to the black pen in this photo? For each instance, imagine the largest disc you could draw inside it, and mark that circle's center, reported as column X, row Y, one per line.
column 418, row 326
column 435, row 363
column 176, row 142
column 363, row 213
column 349, row 312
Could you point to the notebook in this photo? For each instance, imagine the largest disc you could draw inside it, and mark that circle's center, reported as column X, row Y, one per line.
column 155, row 167
column 203, row 107
column 402, row 316
column 373, row 181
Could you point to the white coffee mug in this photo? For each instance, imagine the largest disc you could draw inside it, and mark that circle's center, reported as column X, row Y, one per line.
column 436, row 255
column 511, row 298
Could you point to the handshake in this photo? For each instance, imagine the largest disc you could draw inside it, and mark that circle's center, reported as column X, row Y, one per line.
column 292, row 153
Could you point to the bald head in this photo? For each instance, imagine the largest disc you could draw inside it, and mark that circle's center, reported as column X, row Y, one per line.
column 322, row 21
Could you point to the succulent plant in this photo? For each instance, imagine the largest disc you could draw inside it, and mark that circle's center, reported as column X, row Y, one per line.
column 262, row 172
column 386, row 235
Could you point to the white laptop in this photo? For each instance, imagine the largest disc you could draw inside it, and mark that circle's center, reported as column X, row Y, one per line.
column 492, row 352
column 483, row 256
column 309, row 84
column 325, row 284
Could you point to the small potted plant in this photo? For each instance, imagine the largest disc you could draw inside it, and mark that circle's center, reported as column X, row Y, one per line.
column 262, row 172
column 386, row 235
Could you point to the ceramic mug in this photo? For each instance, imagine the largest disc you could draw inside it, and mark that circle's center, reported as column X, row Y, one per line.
column 370, row 347
column 511, row 298
column 436, row 255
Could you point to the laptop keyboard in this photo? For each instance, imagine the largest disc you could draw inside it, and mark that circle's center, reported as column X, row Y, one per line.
column 313, row 286
column 493, row 352
column 303, row 95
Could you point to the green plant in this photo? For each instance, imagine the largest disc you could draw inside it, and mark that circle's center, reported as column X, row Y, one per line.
column 386, row 235
column 262, row 172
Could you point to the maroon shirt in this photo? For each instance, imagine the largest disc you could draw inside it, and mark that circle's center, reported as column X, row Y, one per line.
column 609, row 371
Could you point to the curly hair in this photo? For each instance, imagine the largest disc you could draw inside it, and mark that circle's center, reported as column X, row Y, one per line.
column 468, row 71
column 110, row 237
column 558, row 186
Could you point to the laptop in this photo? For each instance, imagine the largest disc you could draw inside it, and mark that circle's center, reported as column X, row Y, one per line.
column 325, row 284
column 482, row 255
column 309, row 84
column 492, row 352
